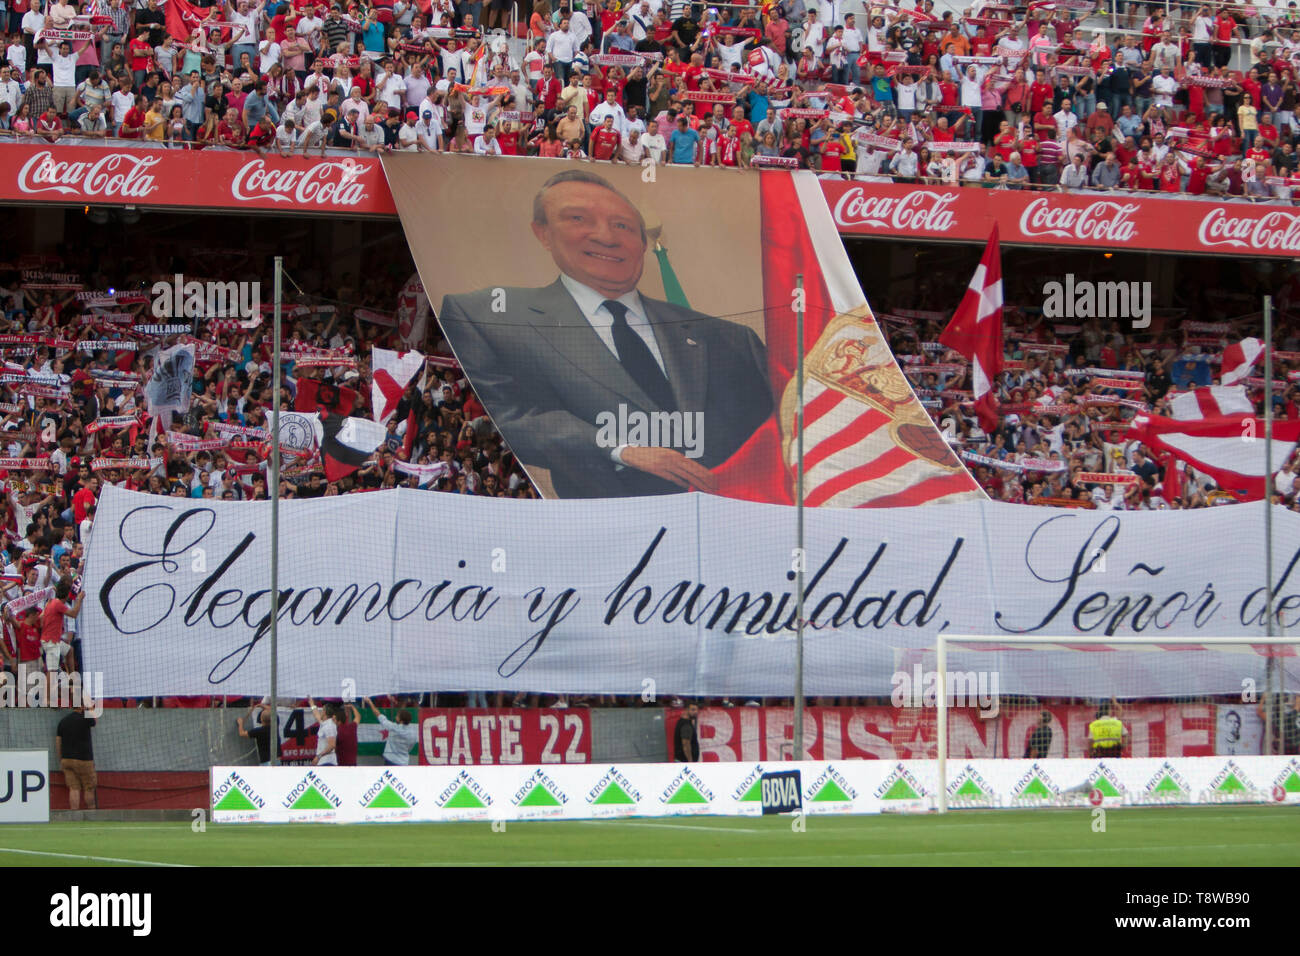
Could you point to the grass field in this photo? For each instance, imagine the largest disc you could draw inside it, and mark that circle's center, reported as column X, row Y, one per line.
column 1208, row 836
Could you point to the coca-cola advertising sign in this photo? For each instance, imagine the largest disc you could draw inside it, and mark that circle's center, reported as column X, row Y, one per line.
column 100, row 176
column 1101, row 221
column 210, row 179
column 326, row 184
column 1258, row 231
column 919, row 210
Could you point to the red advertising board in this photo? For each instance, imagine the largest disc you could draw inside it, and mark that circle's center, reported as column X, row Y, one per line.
column 226, row 180
column 890, row 733
column 509, row 735
column 1106, row 221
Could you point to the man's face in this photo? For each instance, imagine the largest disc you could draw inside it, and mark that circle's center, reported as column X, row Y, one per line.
column 594, row 236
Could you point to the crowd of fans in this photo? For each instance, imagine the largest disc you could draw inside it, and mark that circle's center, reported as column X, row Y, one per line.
column 1071, row 388
column 994, row 97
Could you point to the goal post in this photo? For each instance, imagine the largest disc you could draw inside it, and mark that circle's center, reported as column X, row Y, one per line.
column 1254, row 680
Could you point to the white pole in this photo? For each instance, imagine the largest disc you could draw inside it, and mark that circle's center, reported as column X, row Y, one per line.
column 1271, row 671
column 798, row 505
column 941, row 664
column 275, row 513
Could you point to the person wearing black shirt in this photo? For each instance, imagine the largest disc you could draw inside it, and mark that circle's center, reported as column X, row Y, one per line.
column 77, row 757
column 686, row 738
column 1158, row 381
column 685, row 32
column 1040, row 741
column 152, row 16
column 261, row 734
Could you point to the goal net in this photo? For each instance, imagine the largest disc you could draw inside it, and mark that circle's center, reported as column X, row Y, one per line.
column 1082, row 708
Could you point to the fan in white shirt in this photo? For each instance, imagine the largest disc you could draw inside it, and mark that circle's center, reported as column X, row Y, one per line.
column 390, row 88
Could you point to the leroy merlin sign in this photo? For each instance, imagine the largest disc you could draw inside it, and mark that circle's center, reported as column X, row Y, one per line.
column 732, row 788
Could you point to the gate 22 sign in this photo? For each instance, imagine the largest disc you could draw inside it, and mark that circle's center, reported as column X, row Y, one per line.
column 507, row 736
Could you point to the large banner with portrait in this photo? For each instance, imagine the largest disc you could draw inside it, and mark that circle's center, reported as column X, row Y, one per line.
column 408, row 591
column 632, row 331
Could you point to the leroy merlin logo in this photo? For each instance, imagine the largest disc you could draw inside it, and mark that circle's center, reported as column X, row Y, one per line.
column 1288, row 781
column 388, row 793
column 970, row 789
column 614, row 790
column 830, row 787
column 235, row 795
column 1103, row 779
column 899, row 785
column 464, row 793
column 686, row 789
column 1167, row 785
column 312, row 793
column 540, row 791
column 751, row 788
column 1230, row 785
column 1035, row 785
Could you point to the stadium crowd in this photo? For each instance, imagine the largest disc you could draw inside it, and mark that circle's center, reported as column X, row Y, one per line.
column 1071, row 389
column 986, row 98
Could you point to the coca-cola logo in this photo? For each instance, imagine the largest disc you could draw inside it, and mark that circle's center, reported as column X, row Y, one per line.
column 921, row 210
column 1276, row 229
column 1098, row 221
column 111, row 176
column 325, row 184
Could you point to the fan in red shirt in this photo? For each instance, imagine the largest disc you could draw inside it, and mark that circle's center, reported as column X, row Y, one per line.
column 140, row 50
column 1196, row 180
column 29, row 637
column 728, row 151
column 1039, row 93
column 262, row 136
column 741, row 125
column 1171, row 178
column 1263, row 160
column 230, row 131
column 133, row 124
column 1267, row 134
column 1027, row 146
column 1004, row 143
column 832, row 151
column 605, row 141
column 548, row 89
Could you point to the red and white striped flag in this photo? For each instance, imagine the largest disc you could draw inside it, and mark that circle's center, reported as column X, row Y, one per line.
column 1210, row 401
column 1239, row 360
column 1227, row 449
column 976, row 331
column 391, row 372
column 868, row 441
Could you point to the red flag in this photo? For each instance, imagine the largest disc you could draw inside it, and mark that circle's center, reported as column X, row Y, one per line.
column 324, row 397
column 183, row 17
column 868, row 443
column 1239, row 359
column 1227, row 449
column 408, row 440
column 976, row 331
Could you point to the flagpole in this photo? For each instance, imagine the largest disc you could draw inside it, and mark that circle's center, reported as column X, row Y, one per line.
column 1270, row 668
column 798, row 505
column 275, row 513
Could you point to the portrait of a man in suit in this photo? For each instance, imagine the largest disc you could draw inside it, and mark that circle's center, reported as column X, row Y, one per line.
column 554, row 364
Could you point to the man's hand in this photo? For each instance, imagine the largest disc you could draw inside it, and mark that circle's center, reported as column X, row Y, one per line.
column 672, row 466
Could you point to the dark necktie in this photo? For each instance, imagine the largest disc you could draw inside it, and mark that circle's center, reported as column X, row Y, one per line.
column 636, row 357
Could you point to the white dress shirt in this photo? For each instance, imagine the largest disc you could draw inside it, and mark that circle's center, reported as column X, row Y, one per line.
column 591, row 305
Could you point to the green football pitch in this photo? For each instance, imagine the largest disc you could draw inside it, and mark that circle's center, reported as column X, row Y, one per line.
column 1203, row 836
